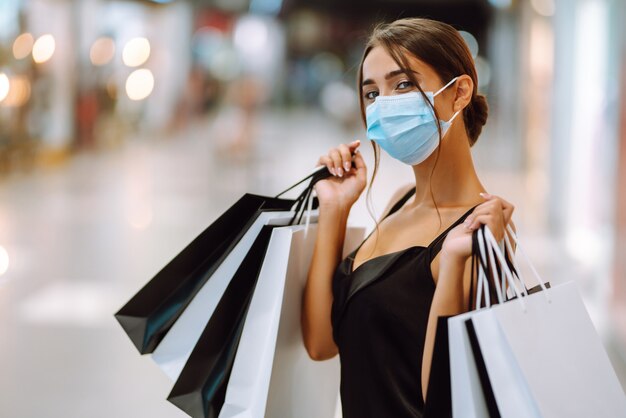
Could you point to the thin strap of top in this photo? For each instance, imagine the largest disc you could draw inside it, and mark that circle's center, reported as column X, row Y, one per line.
column 435, row 246
column 401, row 202
column 393, row 209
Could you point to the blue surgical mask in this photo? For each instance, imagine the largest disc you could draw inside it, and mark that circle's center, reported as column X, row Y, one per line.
column 404, row 125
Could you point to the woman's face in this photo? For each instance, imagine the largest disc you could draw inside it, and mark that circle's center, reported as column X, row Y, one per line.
column 382, row 76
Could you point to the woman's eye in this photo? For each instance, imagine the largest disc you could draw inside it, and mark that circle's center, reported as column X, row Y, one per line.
column 404, row 85
column 371, row 95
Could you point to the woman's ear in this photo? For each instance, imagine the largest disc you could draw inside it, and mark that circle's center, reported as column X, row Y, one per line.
column 464, row 89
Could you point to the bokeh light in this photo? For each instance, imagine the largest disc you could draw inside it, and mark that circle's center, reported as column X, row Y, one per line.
column 4, row 86
column 102, row 51
column 471, row 42
column 19, row 92
column 250, row 35
column 139, row 84
column 136, row 52
column 43, row 49
column 23, row 46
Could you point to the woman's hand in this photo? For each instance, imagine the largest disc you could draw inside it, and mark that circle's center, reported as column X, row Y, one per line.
column 495, row 213
column 347, row 183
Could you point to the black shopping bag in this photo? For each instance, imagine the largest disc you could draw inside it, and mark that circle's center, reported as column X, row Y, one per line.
column 201, row 387
column 149, row 315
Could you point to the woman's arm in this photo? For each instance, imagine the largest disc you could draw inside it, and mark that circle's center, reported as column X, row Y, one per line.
column 449, row 299
column 452, row 291
column 336, row 196
column 318, row 295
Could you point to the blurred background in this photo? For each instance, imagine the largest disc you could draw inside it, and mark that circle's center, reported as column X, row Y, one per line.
column 127, row 127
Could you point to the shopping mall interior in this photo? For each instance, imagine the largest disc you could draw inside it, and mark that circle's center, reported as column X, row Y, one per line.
column 128, row 126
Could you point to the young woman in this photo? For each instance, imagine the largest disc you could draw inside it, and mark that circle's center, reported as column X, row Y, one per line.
column 378, row 308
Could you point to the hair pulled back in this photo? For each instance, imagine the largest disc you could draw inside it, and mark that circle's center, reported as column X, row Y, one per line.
column 440, row 46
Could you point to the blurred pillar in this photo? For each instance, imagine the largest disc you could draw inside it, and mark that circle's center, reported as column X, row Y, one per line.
column 583, row 163
column 536, row 80
column 619, row 276
column 562, row 109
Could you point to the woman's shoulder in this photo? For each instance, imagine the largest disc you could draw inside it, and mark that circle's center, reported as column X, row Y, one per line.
column 395, row 197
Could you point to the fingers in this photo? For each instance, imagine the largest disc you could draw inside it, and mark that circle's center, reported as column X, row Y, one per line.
column 507, row 207
column 497, row 202
column 495, row 225
column 354, row 145
column 346, row 157
column 325, row 160
column 339, row 160
column 496, row 213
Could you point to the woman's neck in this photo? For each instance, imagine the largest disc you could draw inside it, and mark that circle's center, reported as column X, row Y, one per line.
column 455, row 182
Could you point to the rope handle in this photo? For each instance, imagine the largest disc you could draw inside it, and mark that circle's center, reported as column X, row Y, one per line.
column 488, row 247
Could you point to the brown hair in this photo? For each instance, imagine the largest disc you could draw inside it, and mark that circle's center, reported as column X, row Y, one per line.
column 440, row 46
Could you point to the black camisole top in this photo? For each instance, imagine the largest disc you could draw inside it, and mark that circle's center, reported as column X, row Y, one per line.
column 379, row 317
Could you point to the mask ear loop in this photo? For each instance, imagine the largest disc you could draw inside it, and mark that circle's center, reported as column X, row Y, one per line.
column 442, row 89
column 455, row 115
column 446, row 86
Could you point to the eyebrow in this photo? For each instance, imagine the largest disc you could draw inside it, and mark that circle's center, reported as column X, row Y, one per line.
column 390, row 75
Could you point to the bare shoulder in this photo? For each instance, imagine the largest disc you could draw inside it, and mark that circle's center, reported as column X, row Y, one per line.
column 397, row 195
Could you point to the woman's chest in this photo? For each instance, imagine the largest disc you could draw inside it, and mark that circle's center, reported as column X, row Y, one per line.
column 395, row 299
column 398, row 232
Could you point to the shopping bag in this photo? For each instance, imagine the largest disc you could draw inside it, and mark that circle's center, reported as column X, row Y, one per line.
column 151, row 312
column 276, row 304
column 469, row 399
column 173, row 351
column 301, row 387
column 201, row 386
column 543, row 356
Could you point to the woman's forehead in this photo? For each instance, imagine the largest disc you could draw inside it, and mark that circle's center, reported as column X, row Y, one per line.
column 379, row 62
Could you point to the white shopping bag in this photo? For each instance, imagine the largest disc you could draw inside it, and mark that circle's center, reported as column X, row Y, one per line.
column 246, row 393
column 173, row 351
column 276, row 300
column 552, row 352
column 467, row 396
column 300, row 387
column 544, row 358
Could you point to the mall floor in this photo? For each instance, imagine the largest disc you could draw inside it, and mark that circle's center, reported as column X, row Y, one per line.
column 82, row 238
